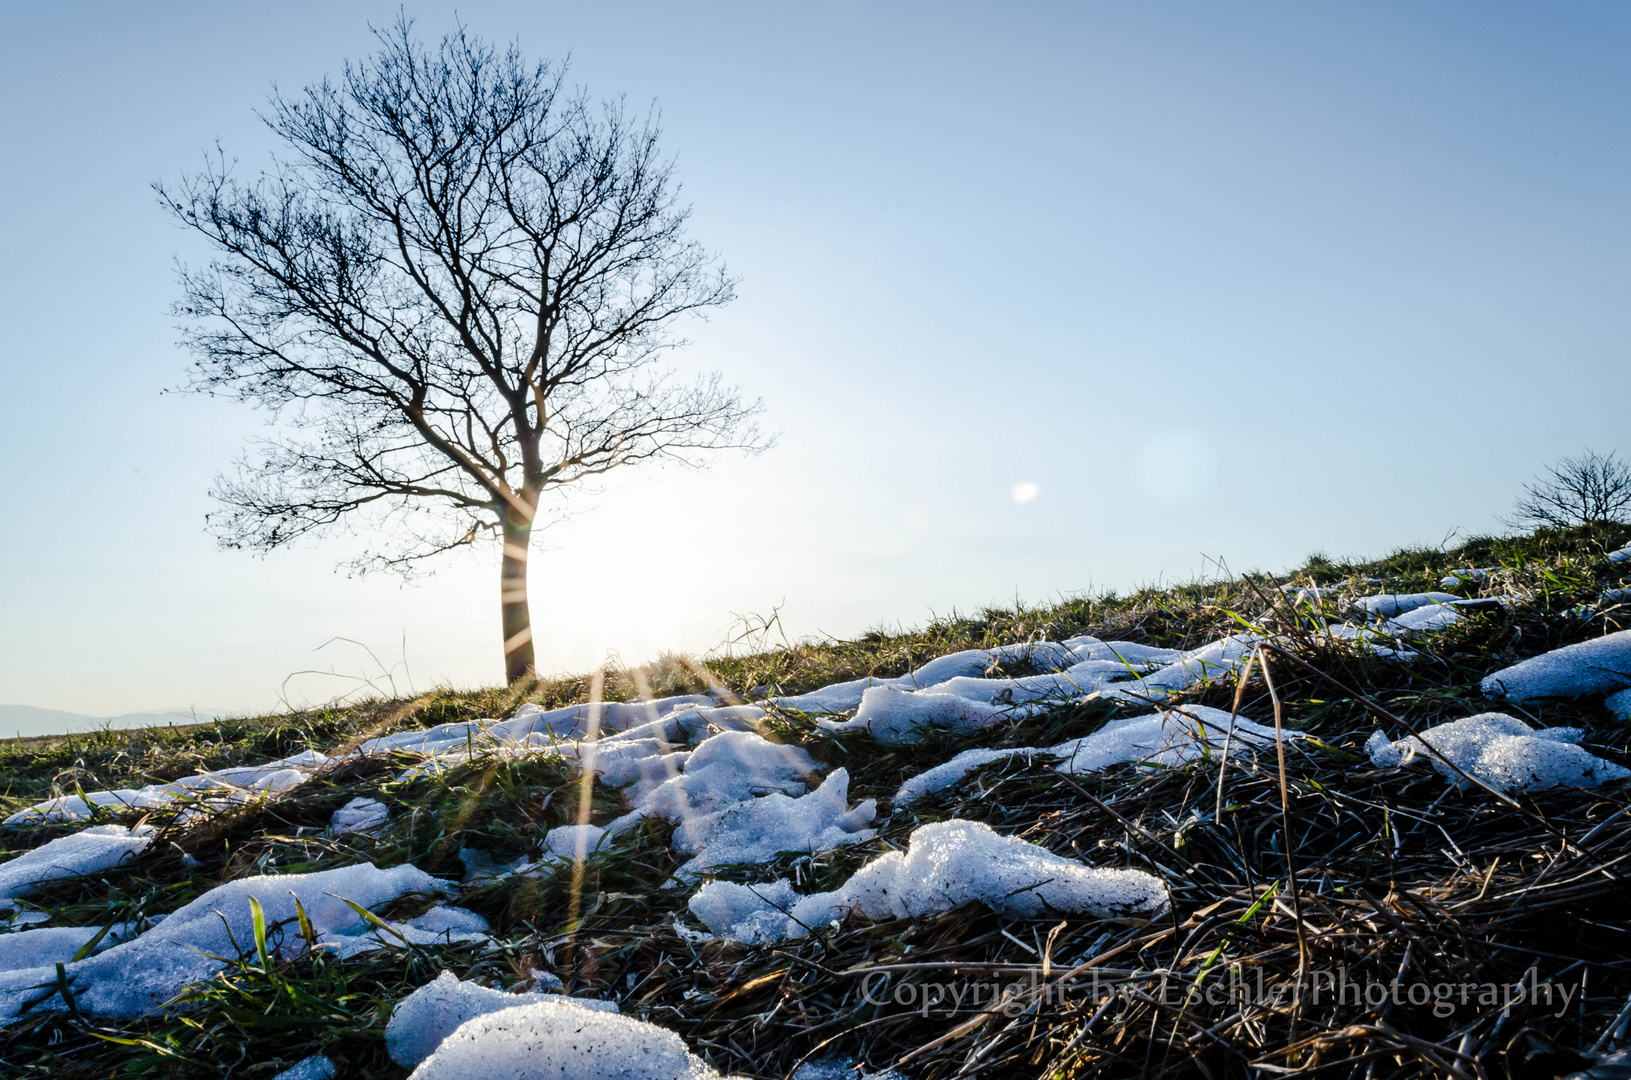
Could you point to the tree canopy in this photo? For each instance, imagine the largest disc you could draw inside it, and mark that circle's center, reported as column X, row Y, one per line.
column 454, row 289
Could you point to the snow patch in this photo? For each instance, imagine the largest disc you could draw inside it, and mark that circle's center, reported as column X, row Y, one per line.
column 89, row 851
column 1426, row 617
column 422, row 1020
column 1619, row 705
column 1392, row 605
column 1600, row 666
column 139, row 975
column 725, row 769
column 316, row 1067
column 554, row 1039
column 359, row 816
column 947, row 865
column 945, row 775
column 49, row 946
column 1169, row 738
column 757, row 830
column 1502, row 751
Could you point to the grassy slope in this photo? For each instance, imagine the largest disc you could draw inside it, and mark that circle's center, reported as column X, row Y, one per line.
column 1397, row 874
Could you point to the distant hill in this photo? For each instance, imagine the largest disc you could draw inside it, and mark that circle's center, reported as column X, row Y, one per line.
column 27, row 720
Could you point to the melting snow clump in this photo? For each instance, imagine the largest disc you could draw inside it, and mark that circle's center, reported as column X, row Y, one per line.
column 316, row 1067
column 1426, row 617
column 1167, row 738
column 1392, row 605
column 49, row 946
column 751, row 914
column 756, row 830
column 139, row 975
column 359, row 816
column 89, row 851
column 944, row 776
column 1502, row 751
column 237, row 785
column 1599, row 666
column 728, row 768
column 1619, row 705
column 554, row 1039
column 431, row 1013
column 947, row 865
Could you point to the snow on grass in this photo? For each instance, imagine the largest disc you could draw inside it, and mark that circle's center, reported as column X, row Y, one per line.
column 1470, row 577
column 757, row 830
column 1045, row 656
column 946, row 865
column 751, row 914
column 1088, row 647
column 1426, row 617
column 632, row 744
column 1198, row 666
column 728, row 768
column 1392, row 605
column 1600, row 666
column 316, row 1067
column 1167, row 738
column 945, row 775
column 359, row 816
column 1502, row 751
column 898, row 717
column 1619, row 705
column 89, row 851
column 421, row 1021
column 533, row 722
column 138, row 975
column 557, row 1039
column 229, row 786
column 47, row 946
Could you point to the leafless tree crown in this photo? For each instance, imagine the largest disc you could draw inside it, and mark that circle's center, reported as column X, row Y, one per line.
column 1583, row 490
column 453, row 292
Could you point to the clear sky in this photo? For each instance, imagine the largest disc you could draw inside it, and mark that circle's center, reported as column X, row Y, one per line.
column 1230, row 281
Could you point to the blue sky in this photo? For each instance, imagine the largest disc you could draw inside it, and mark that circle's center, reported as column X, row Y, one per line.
column 1224, row 281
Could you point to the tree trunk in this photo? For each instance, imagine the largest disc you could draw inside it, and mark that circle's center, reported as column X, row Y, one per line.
column 518, row 654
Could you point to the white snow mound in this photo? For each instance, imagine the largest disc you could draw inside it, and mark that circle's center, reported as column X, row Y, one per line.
column 1619, row 705
column 1600, row 666
column 1168, row 739
column 316, row 1067
column 359, row 816
column 1392, row 605
column 89, row 851
column 552, row 1039
column 947, row 865
column 725, row 769
column 139, row 975
column 423, row 1019
column 1502, row 751
column 756, row 830
column 945, row 775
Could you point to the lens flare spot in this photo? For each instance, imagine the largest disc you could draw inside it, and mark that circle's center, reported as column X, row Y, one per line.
column 1024, row 493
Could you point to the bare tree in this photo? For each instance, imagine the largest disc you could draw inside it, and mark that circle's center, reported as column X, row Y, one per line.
column 452, row 292
column 1585, row 490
